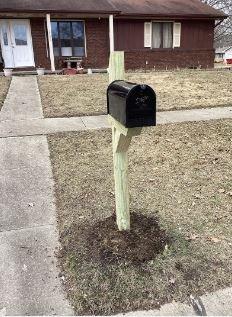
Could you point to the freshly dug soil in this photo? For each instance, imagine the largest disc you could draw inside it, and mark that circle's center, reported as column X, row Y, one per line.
column 103, row 243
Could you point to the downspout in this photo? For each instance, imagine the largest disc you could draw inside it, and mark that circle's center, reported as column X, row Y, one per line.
column 220, row 22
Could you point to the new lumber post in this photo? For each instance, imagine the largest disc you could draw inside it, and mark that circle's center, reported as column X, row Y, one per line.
column 121, row 140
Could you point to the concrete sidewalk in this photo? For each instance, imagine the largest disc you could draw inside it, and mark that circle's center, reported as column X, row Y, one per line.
column 54, row 125
column 29, row 282
column 23, row 100
column 214, row 304
column 28, row 237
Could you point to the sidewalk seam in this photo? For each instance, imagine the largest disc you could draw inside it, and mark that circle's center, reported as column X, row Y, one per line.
column 28, row 228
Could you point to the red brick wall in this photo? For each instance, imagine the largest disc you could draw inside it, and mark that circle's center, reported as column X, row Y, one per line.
column 39, row 42
column 97, row 42
column 196, row 45
column 169, row 59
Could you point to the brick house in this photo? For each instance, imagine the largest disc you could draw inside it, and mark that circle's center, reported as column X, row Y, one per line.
column 154, row 33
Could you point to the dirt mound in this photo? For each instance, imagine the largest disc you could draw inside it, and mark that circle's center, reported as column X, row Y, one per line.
column 108, row 245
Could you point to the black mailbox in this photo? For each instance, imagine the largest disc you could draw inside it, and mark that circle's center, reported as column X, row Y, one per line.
column 131, row 104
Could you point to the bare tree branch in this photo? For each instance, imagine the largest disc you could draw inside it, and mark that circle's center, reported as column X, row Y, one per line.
column 223, row 32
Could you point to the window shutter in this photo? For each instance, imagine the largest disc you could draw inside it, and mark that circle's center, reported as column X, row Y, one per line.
column 147, row 34
column 176, row 34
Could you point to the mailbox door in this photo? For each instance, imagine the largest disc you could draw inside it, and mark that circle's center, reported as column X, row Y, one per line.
column 117, row 107
column 141, row 107
column 117, row 95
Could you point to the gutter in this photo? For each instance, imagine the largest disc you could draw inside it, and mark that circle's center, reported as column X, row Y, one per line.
column 175, row 16
column 217, row 24
column 45, row 11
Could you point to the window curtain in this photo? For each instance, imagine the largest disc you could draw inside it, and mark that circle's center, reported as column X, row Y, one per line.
column 156, row 35
column 167, row 35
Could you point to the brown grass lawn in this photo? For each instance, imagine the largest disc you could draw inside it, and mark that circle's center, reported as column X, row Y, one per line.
column 181, row 202
column 4, row 86
column 82, row 95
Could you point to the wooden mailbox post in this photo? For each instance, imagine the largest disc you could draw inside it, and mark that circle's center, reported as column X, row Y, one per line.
column 121, row 139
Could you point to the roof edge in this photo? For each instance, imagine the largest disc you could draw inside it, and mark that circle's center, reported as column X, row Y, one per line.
column 7, row 10
column 220, row 16
column 191, row 16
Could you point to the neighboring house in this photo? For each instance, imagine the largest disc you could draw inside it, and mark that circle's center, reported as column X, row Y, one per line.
column 153, row 33
column 223, row 54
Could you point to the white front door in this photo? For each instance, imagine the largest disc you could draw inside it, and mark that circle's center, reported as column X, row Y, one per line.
column 7, row 52
column 16, row 43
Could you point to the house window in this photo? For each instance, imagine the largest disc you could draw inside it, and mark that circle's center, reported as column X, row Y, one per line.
column 20, row 34
column 162, row 35
column 68, row 38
